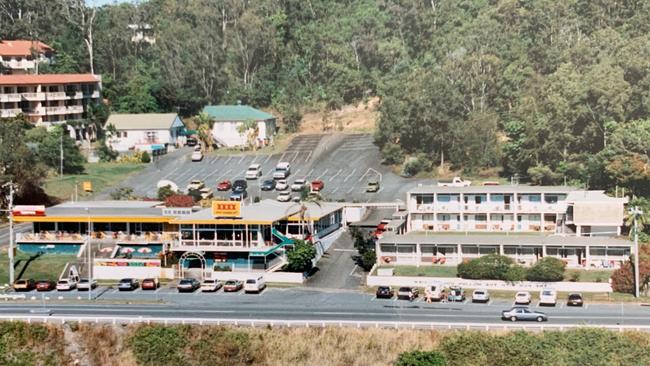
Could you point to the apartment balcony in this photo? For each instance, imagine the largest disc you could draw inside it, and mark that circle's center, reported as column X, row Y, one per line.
column 76, row 95
column 92, row 95
column 39, row 111
column 56, row 96
column 33, row 96
column 24, row 64
column 559, row 207
column 8, row 113
column 218, row 245
column 56, row 110
column 10, row 97
column 448, row 207
column 49, row 237
column 75, row 109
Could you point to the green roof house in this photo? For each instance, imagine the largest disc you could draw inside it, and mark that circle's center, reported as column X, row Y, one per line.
column 228, row 119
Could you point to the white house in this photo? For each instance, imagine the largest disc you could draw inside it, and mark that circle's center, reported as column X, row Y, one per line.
column 229, row 118
column 145, row 131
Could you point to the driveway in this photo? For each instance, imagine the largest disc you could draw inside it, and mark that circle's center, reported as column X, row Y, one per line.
column 336, row 269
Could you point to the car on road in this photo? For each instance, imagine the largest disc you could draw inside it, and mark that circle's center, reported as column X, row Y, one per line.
column 480, row 295
column 282, row 170
column 284, row 196
column 317, row 185
column 268, row 185
column 548, row 297
column 238, row 195
column 239, row 185
column 575, row 299
column 66, row 285
column 255, row 285
column 254, row 171
column 281, row 185
column 408, row 293
column 188, row 285
column 456, row 294
column 210, row 285
column 373, row 186
column 224, row 185
column 206, row 193
column 523, row 313
column 85, row 284
column 45, row 285
column 197, row 155
column 150, row 284
column 195, row 185
column 232, row 286
column 128, row 284
column 385, row 292
column 523, row 297
column 191, row 141
column 24, row 285
column 298, row 185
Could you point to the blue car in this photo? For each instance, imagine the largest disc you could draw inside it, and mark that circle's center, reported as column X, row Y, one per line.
column 238, row 195
column 268, row 185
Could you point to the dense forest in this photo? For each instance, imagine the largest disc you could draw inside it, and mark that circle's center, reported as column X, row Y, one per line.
column 553, row 91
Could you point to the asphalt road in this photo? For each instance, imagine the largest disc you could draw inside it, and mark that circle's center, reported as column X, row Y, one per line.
column 310, row 304
column 18, row 228
column 337, row 268
column 344, row 162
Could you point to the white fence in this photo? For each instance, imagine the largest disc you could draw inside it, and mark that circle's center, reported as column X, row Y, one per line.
column 504, row 326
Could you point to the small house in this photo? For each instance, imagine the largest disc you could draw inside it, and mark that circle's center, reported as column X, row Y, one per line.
column 144, row 131
column 229, row 125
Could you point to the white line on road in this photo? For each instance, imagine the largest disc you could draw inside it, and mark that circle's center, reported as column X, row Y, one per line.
column 172, row 172
column 299, row 169
column 242, row 159
column 350, row 190
column 254, row 158
column 349, row 175
column 344, row 250
column 336, row 175
column 295, row 156
column 229, row 158
column 195, row 174
column 322, row 174
column 364, row 174
column 335, row 189
column 308, row 156
column 309, row 174
column 353, row 270
column 282, row 157
column 214, row 160
column 224, row 174
column 267, row 159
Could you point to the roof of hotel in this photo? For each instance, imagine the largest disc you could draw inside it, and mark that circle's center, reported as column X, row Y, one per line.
column 22, row 47
column 228, row 113
column 493, row 189
column 28, row 79
column 592, row 196
column 496, row 239
column 142, row 121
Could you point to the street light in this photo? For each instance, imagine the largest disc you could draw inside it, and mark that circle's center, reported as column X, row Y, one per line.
column 635, row 212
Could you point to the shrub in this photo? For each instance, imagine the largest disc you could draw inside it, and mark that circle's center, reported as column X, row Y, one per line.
column 623, row 279
column 419, row 164
column 515, row 273
column 421, row 358
column 145, row 158
column 368, row 259
column 574, row 276
column 392, row 154
column 159, row 345
column 179, row 200
column 547, row 269
column 300, row 258
column 164, row 192
column 106, row 153
column 122, row 193
column 489, row 267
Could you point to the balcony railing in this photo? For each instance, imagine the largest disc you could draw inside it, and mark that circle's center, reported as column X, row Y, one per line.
column 56, row 110
column 75, row 109
column 7, row 113
column 94, row 94
column 56, row 95
column 33, row 96
column 49, row 237
column 9, row 97
column 76, row 95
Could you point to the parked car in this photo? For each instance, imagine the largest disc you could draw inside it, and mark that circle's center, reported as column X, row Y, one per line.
column 523, row 313
column 238, row 195
column 385, row 292
column 575, row 300
column 317, row 185
column 128, row 284
column 239, row 185
column 523, row 297
column 298, row 185
column 195, row 185
column 206, row 193
column 284, row 196
column 45, row 285
column 85, row 284
column 456, row 294
column 150, row 284
column 548, row 297
column 224, row 185
column 255, row 285
column 254, row 171
column 66, row 285
column 268, row 185
column 188, row 285
column 210, row 285
column 191, row 141
column 373, row 186
column 480, row 295
column 281, row 185
column 434, row 292
column 282, row 170
column 456, row 182
column 24, row 285
column 407, row 293
column 197, row 155
column 233, row 286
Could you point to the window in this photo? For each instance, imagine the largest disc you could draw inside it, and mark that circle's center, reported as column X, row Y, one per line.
column 534, row 198
column 406, row 248
column 387, row 248
column 124, row 134
column 469, row 249
column 424, row 199
column 550, row 198
column 428, row 249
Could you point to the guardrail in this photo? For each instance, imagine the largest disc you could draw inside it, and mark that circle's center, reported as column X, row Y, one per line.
column 62, row 319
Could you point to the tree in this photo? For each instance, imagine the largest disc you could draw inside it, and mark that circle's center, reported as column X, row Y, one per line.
column 368, row 259
column 547, row 269
column 145, row 158
column 421, row 358
column 165, row 192
column 300, row 259
column 83, row 19
column 49, row 145
column 204, row 126
column 105, row 152
column 122, row 193
column 249, row 130
column 623, row 278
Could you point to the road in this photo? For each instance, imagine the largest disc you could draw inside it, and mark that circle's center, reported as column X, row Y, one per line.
column 18, row 228
column 314, row 305
column 337, row 269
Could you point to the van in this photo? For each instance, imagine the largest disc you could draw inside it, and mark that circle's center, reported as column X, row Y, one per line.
column 254, row 171
column 282, row 170
column 548, row 297
column 255, row 285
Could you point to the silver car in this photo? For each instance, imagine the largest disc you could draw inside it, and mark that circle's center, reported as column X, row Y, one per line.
column 523, row 313
column 480, row 295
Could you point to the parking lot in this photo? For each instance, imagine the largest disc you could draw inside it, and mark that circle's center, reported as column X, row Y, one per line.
column 345, row 164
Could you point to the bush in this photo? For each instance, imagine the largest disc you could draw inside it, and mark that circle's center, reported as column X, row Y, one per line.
column 105, row 153
column 122, row 193
column 368, row 259
column 392, row 154
column 489, row 267
column 547, row 269
column 145, row 158
column 158, row 345
column 164, row 192
column 300, row 258
column 421, row 358
column 515, row 274
column 419, row 164
column 623, row 279
column 179, row 200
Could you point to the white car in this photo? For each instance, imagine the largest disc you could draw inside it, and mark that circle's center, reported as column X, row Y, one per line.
column 85, row 284
column 66, row 285
column 254, row 171
column 523, row 297
column 197, row 156
column 195, row 184
column 548, row 297
column 210, row 285
column 281, row 185
column 480, row 295
column 284, row 196
column 255, row 285
column 282, row 170
column 206, row 193
column 433, row 292
column 298, row 185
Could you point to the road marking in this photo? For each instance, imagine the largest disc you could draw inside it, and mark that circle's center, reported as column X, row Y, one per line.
column 353, row 270
column 308, row 156
column 172, row 172
column 211, row 174
column 344, row 250
column 349, row 175
column 214, row 160
column 242, row 159
column 373, row 298
column 254, row 158
column 228, row 161
column 322, row 174
column 195, row 174
column 351, row 189
column 336, row 175
column 364, row 174
column 298, row 171
column 295, row 156
column 282, row 157
column 309, row 174
column 335, row 189
column 223, row 175
column 267, row 159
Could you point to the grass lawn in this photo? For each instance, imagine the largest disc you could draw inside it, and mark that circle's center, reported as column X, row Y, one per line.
column 594, row 275
column 428, row 271
column 44, row 267
column 102, row 176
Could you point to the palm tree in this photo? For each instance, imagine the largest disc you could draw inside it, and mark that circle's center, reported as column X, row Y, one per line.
column 204, row 127
column 304, row 209
column 642, row 219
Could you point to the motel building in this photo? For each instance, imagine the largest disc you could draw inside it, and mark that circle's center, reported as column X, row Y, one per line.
column 146, row 239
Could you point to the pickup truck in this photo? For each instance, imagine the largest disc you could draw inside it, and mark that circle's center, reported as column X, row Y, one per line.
column 456, row 182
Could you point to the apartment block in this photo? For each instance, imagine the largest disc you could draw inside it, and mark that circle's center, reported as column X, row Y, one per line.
column 24, row 56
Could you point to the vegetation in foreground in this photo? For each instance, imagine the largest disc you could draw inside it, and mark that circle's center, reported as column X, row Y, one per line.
column 203, row 345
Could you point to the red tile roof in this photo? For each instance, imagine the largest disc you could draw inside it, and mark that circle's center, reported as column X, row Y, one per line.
column 28, row 79
column 22, row 48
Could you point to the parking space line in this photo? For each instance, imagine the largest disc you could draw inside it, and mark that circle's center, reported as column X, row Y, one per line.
column 351, row 189
column 335, row 175
column 242, row 159
column 223, row 175
column 295, row 156
column 308, row 156
column 353, row 270
column 489, row 303
column 214, row 160
column 309, row 174
column 395, row 298
column 364, row 174
column 299, row 169
column 282, row 157
column 254, row 158
column 229, row 158
column 322, row 174
column 335, row 189
column 267, row 159
column 561, row 305
column 586, row 306
column 172, row 172
column 349, row 175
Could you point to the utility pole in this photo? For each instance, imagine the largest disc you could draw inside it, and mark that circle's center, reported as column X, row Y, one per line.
column 61, row 156
column 10, row 210
column 636, row 212
column 90, row 265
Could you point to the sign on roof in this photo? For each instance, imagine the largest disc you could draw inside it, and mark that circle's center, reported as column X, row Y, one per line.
column 226, row 209
column 28, row 211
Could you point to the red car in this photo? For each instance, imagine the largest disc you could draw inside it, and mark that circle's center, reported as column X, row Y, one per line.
column 317, row 185
column 224, row 185
column 45, row 285
column 150, row 284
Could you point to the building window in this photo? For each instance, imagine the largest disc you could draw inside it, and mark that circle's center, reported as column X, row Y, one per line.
column 124, row 134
